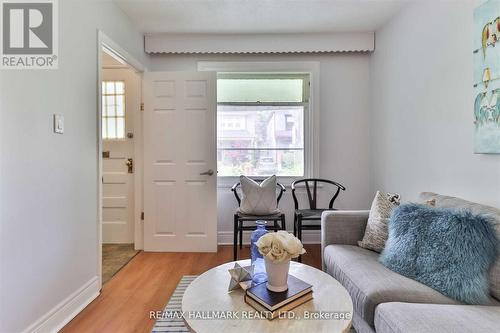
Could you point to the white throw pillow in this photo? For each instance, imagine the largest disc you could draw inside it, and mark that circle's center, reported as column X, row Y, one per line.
column 258, row 199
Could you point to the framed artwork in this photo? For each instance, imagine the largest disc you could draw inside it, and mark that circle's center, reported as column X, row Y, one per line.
column 486, row 53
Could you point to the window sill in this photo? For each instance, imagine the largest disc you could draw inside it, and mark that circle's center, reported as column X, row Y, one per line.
column 227, row 182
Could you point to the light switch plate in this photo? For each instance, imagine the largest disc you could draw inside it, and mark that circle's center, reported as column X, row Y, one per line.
column 58, row 124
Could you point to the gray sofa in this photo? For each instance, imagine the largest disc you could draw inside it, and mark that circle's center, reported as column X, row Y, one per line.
column 385, row 301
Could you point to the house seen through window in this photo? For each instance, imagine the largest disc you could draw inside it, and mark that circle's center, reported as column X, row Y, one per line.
column 113, row 110
column 260, row 126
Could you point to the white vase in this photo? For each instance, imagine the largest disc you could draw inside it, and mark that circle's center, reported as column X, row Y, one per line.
column 277, row 275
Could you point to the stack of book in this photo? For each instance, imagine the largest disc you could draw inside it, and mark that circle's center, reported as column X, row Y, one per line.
column 275, row 304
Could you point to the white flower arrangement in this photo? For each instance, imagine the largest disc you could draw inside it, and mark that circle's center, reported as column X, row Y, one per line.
column 280, row 246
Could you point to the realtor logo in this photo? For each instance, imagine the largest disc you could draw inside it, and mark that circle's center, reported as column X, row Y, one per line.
column 29, row 34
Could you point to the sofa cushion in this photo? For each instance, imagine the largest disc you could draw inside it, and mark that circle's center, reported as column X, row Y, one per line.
column 422, row 318
column 494, row 213
column 450, row 250
column 370, row 283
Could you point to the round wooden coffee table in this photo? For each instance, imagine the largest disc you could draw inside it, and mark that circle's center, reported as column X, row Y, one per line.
column 208, row 307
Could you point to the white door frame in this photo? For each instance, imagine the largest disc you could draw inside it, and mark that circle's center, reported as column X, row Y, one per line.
column 103, row 41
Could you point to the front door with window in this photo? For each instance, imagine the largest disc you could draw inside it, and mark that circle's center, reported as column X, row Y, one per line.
column 120, row 90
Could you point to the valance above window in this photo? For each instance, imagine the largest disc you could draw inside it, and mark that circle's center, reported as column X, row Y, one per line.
column 260, row 43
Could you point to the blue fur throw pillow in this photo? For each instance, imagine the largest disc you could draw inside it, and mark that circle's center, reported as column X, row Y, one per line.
column 446, row 249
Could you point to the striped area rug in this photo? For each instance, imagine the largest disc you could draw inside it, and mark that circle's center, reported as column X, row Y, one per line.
column 174, row 305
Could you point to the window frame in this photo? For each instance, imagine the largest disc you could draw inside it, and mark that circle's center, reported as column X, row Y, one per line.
column 311, row 118
column 305, row 77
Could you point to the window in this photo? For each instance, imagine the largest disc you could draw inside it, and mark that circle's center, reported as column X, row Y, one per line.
column 236, row 122
column 260, row 126
column 289, row 122
column 113, row 110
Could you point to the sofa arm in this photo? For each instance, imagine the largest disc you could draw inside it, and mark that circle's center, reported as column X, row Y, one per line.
column 345, row 227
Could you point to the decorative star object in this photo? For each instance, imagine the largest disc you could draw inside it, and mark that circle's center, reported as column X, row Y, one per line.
column 241, row 277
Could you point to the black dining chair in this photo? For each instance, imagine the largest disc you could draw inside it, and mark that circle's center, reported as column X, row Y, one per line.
column 313, row 213
column 240, row 219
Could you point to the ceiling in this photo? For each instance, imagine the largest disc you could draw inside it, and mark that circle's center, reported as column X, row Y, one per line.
column 259, row 16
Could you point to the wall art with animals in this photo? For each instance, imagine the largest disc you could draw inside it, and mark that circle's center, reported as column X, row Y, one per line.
column 486, row 55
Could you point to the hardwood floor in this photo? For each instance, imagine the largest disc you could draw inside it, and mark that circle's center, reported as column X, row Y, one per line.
column 146, row 284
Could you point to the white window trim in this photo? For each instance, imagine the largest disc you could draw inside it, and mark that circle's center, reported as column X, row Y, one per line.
column 311, row 121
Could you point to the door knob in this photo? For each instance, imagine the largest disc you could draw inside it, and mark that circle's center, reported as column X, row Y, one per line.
column 207, row 173
column 130, row 165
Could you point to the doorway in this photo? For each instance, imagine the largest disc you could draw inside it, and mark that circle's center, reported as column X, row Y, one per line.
column 120, row 151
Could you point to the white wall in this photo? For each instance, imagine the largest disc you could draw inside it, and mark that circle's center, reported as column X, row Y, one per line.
column 48, row 192
column 414, row 134
column 344, row 129
column 422, row 101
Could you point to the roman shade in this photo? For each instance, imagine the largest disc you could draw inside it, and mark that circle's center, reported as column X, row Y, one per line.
column 260, row 43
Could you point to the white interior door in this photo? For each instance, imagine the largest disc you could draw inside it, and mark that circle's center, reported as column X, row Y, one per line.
column 180, row 160
column 121, row 91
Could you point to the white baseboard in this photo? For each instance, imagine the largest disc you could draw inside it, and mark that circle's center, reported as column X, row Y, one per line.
column 62, row 313
column 308, row 237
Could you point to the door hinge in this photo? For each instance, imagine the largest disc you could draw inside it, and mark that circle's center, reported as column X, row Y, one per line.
column 142, row 216
column 142, row 106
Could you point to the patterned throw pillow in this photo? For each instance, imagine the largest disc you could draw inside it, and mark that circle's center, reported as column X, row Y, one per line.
column 376, row 232
column 258, row 199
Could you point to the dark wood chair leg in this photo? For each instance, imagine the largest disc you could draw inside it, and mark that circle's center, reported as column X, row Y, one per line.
column 235, row 240
column 299, row 227
column 299, row 232
column 283, row 223
column 241, row 234
column 295, row 225
column 276, row 227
